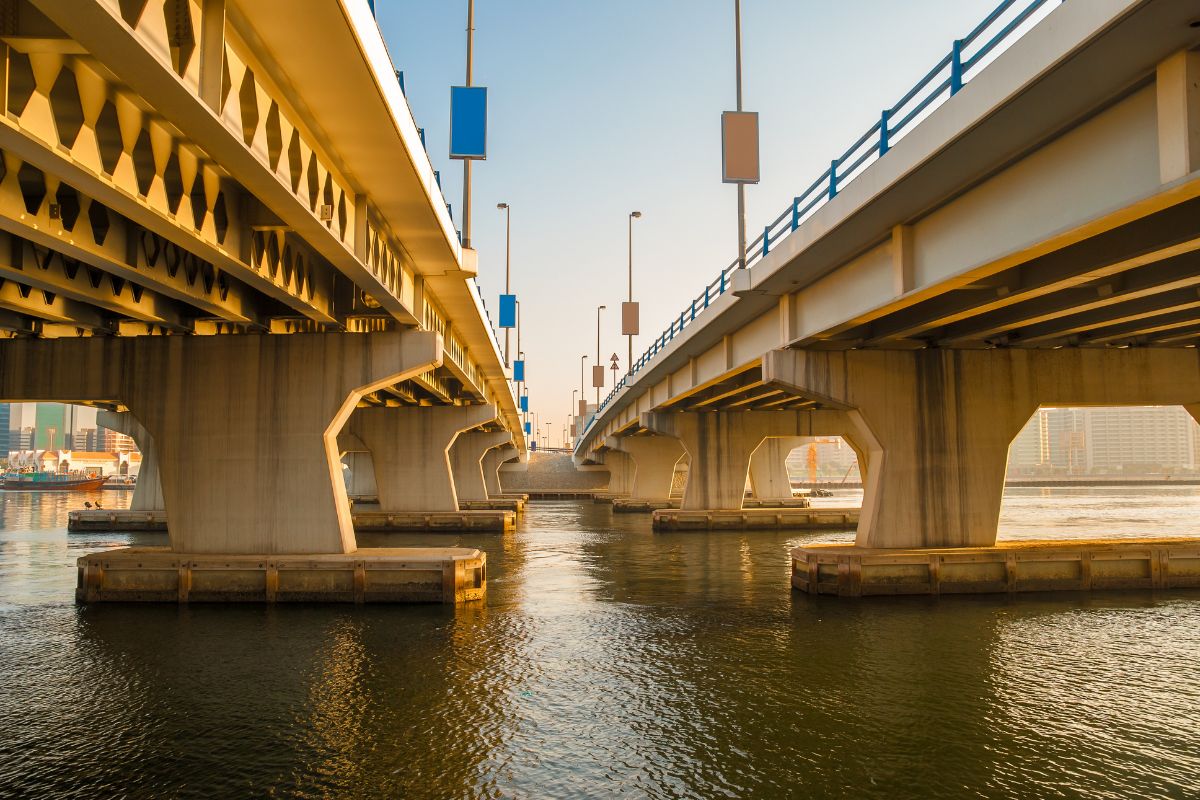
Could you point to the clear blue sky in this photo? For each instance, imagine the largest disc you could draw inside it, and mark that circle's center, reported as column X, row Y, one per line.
column 599, row 108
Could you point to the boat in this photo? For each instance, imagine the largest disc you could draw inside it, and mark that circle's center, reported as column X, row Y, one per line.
column 52, row 481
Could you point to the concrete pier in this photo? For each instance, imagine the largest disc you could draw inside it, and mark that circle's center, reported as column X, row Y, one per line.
column 755, row 519
column 374, row 575
column 847, row 570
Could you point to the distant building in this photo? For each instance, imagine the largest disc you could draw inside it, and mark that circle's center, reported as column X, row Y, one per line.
column 114, row 442
column 5, row 425
column 1142, row 440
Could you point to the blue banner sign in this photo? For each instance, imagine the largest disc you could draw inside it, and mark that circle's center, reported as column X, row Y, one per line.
column 468, row 122
column 525, row 405
column 508, row 311
column 528, row 428
column 519, row 370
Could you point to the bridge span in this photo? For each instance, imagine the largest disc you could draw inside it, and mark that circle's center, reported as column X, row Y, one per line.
column 219, row 218
column 1011, row 234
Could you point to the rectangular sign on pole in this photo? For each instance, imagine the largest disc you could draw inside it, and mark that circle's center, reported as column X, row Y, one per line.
column 525, row 402
column 739, row 147
column 508, row 311
column 528, row 428
column 629, row 319
column 468, row 122
column 598, row 376
column 583, row 408
column 519, row 370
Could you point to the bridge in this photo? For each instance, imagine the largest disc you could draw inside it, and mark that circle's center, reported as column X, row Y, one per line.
column 220, row 221
column 1019, row 230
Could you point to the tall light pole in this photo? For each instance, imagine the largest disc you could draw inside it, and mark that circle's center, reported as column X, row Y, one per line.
column 741, row 187
column 598, row 310
column 507, row 266
column 583, row 382
column 630, row 325
column 466, row 227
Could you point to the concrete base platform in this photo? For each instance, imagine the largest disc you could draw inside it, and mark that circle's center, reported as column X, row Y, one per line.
column 499, row 521
column 435, row 521
column 510, row 496
column 494, row 504
column 632, row 505
column 751, row 519
column 1035, row 566
column 375, row 575
column 605, row 498
column 123, row 520
column 795, row 502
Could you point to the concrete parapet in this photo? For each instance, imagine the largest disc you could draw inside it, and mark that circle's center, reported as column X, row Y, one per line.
column 761, row 519
column 1034, row 566
column 373, row 575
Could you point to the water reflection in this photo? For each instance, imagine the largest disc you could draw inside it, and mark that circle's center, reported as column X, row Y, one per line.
column 606, row 660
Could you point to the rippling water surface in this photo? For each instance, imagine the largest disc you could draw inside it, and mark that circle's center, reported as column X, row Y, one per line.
column 606, row 661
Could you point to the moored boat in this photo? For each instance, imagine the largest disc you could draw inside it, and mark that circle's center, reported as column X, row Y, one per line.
column 52, row 481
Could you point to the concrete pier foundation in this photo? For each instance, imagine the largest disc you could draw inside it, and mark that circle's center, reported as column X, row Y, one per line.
column 769, row 479
column 650, row 464
column 466, row 463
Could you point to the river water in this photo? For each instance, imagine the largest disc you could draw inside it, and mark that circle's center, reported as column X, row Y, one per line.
column 606, row 661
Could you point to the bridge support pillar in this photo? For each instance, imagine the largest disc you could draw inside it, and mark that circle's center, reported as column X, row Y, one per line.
column 410, row 448
column 720, row 444
column 492, row 460
column 769, row 479
column 621, row 472
column 653, row 463
column 148, row 493
column 466, row 462
column 244, row 427
column 934, row 426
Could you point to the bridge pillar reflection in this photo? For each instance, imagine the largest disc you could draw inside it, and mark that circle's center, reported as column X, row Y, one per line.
column 466, row 462
column 651, row 461
column 721, row 443
column 410, row 448
column 769, row 479
column 933, row 427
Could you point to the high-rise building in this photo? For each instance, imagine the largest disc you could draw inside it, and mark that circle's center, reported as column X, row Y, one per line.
column 5, row 425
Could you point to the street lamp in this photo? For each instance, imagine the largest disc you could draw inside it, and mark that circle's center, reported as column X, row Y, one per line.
column 583, row 385
column 629, row 312
column 507, row 267
column 598, row 368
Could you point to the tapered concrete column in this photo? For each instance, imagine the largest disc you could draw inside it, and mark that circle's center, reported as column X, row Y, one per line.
column 654, row 459
column 621, row 472
column 410, row 448
column 466, row 462
column 769, row 479
column 933, row 427
column 148, row 493
column 492, row 460
column 720, row 444
column 245, row 427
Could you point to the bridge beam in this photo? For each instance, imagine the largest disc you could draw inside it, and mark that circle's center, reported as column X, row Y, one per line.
column 245, row 427
column 466, row 462
column 769, row 479
column 653, row 463
column 720, row 445
column 410, row 448
column 933, row 427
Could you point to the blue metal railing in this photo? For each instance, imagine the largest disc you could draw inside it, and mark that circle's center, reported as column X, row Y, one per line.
column 1003, row 26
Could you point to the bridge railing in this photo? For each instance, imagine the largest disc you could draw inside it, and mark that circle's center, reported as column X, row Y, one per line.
column 998, row 30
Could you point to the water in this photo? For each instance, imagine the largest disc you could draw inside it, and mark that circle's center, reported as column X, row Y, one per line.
column 607, row 661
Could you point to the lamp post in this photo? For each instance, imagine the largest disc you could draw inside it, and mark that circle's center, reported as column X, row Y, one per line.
column 741, row 187
column 583, row 382
column 466, row 212
column 507, row 267
column 601, row 373
column 630, row 324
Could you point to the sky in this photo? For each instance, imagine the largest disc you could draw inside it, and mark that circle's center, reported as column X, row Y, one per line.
column 600, row 108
